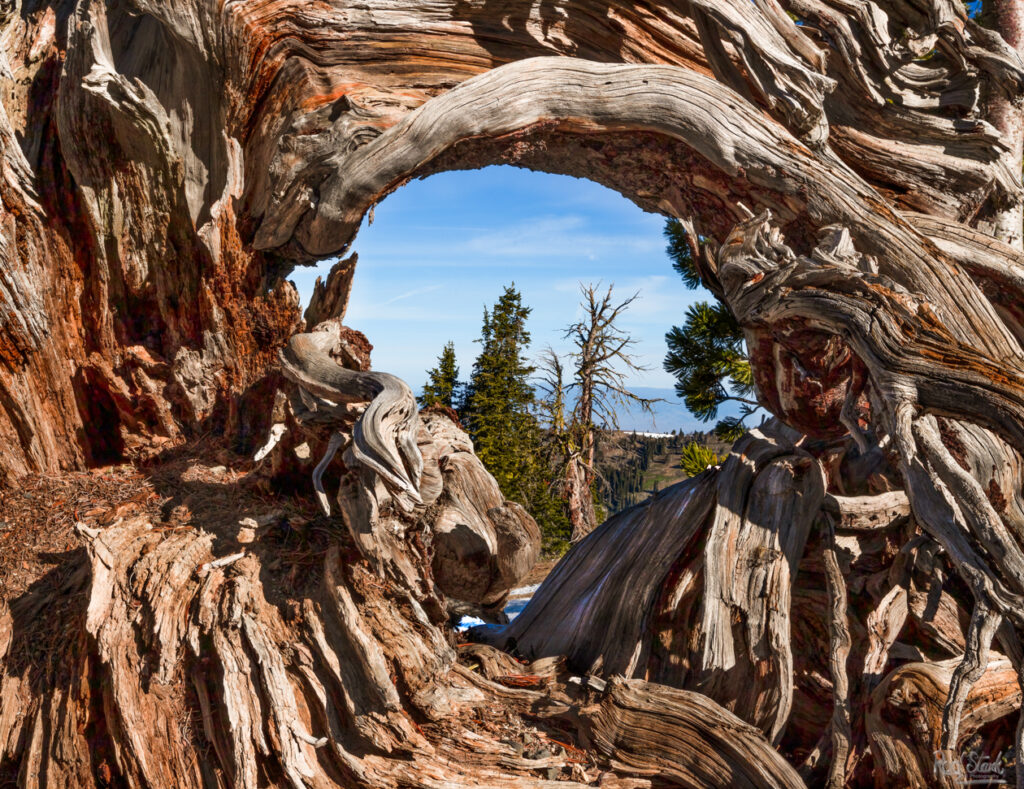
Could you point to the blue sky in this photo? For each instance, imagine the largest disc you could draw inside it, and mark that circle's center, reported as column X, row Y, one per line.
column 441, row 249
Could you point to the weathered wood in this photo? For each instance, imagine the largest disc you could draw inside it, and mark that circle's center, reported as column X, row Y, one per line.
column 864, row 513
column 904, row 721
column 330, row 299
column 483, row 545
column 162, row 165
column 384, row 436
column 685, row 737
column 587, row 608
column 839, row 652
column 323, row 697
column 767, row 502
column 214, row 125
column 749, row 521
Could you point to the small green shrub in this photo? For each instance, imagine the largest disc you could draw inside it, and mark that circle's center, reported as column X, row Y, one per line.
column 697, row 457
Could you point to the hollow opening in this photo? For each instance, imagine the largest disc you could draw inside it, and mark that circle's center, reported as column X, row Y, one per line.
column 102, row 431
column 438, row 251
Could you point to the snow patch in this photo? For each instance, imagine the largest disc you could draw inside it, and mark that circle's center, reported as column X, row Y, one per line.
column 514, row 607
column 467, row 622
column 524, row 591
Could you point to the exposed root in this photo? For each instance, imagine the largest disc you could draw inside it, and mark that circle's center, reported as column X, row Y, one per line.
column 359, row 685
column 904, row 718
column 839, row 651
column 984, row 623
column 884, row 624
column 333, row 445
column 384, row 436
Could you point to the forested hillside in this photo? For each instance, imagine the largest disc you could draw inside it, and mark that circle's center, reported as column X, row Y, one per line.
column 633, row 466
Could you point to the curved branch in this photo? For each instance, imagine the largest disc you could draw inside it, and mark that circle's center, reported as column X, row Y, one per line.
column 324, row 211
column 648, row 727
column 384, row 437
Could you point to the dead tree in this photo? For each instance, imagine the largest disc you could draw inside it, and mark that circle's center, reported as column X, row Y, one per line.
column 857, row 174
column 601, row 355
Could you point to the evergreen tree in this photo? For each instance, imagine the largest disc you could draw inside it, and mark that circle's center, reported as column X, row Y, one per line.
column 707, row 354
column 696, row 458
column 443, row 386
column 499, row 397
column 498, row 411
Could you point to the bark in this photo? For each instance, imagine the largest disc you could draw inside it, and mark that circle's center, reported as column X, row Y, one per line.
column 164, row 165
column 905, row 717
column 839, row 652
column 720, row 575
column 579, row 471
column 1007, row 222
column 579, row 494
column 354, row 683
column 226, row 162
column 482, row 545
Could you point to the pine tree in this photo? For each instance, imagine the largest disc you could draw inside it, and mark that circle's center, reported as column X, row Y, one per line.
column 443, row 386
column 499, row 397
column 707, row 354
column 499, row 409
column 696, row 458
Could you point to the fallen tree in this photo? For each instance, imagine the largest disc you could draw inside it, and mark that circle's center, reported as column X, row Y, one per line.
column 855, row 173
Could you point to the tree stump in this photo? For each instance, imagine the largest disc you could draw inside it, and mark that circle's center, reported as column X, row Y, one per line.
column 856, row 175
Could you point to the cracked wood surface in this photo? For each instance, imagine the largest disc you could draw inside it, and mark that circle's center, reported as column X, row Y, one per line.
column 143, row 298
column 210, row 111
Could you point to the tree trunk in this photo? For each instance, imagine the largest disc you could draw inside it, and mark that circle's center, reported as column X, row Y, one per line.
column 579, row 497
column 1005, row 113
column 165, row 165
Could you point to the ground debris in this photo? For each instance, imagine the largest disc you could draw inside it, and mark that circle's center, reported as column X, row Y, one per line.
column 40, row 513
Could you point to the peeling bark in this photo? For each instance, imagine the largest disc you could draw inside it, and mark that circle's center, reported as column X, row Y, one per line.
column 853, row 169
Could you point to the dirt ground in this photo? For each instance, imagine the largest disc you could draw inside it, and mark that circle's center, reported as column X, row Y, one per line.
column 190, row 487
column 539, row 572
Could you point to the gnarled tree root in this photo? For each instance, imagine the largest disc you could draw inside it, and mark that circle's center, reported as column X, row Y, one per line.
column 905, row 721
column 181, row 671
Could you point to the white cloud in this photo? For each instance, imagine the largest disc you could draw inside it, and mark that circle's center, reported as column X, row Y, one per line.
column 535, row 241
column 411, row 293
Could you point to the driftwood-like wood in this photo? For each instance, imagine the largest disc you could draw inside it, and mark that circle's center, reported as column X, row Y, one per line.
column 482, row 545
column 753, row 517
column 330, row 297
column 649, row 727
column 328, row 694
column 855, row 173
column 839, row 653
column 904, row 721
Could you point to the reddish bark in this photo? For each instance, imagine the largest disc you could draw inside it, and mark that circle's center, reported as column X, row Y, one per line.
column 807, row 378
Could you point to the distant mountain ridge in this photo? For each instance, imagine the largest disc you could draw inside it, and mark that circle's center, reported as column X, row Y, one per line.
column 668, row 415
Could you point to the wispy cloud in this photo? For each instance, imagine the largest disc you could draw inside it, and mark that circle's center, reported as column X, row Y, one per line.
column 546, row 236
column 657, row 294
column 411, row 293
column 531, row 241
